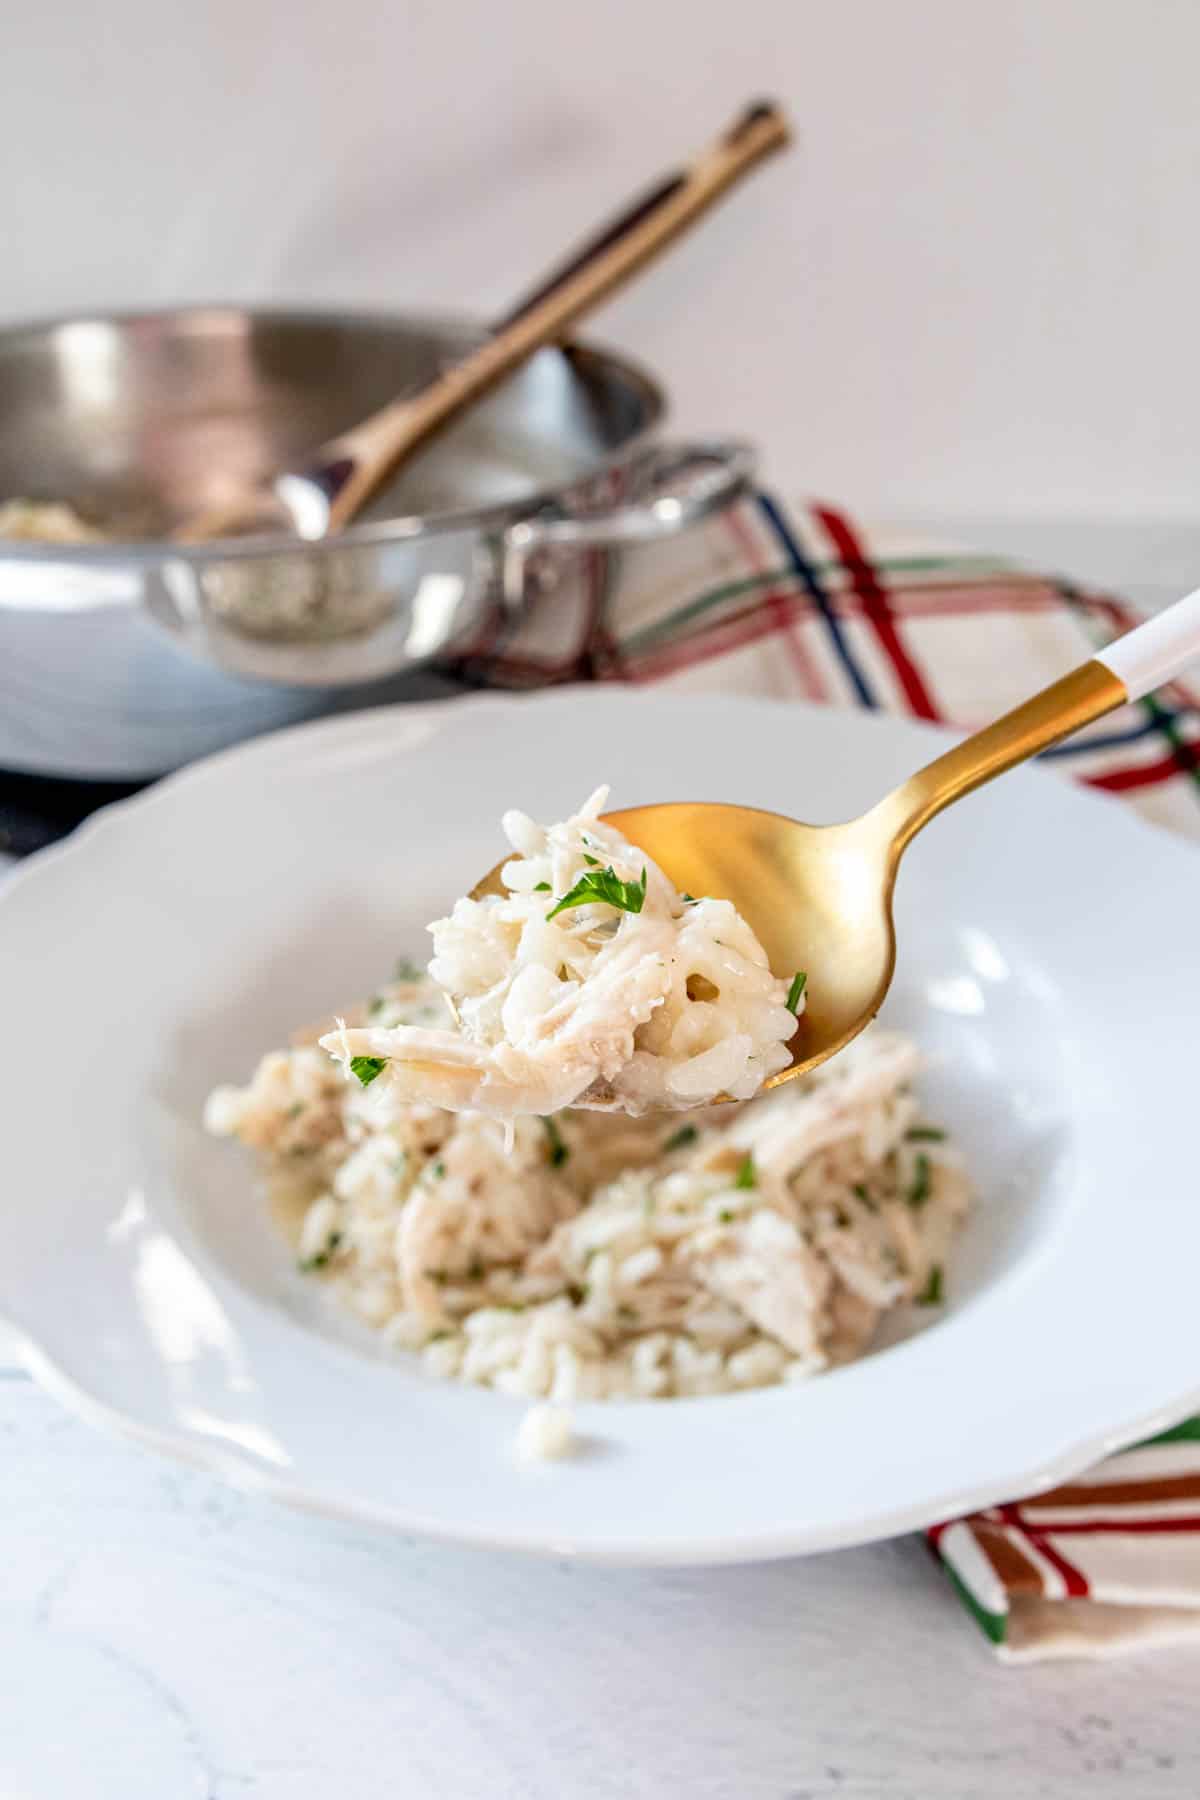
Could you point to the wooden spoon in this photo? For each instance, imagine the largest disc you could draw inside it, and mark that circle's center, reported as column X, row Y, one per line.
column 343, row 474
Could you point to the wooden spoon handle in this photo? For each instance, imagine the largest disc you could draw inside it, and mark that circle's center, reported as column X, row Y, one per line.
column 760, row 129
column 350, row 468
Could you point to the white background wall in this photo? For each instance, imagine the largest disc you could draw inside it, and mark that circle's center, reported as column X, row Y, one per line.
column 972, row 291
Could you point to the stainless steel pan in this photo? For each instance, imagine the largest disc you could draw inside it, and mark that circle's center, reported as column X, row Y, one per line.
column 128, row 658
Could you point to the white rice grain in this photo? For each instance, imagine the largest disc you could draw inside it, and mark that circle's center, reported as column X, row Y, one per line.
column 545, row 1434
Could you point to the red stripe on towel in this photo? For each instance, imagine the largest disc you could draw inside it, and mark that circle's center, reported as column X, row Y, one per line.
column 781, row 608
column 1074, row 1579
column 1123, row 781
column 878, row 610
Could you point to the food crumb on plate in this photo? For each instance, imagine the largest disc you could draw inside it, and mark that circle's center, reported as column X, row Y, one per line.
column 545, row 1433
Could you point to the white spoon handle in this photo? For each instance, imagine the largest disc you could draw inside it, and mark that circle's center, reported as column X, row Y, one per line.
column 1153, row 652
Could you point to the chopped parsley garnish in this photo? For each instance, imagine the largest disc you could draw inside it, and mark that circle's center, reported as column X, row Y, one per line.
column 295, row 1109
column 436, row 1337
column 322, row 1257
column 925, row 1134
column 799, row 983
column 407, row 970
column 931, row 1294
column 591, row 861
column 689, row 899
column 557, row 1152
column 378, row 1005
column 919, row 1192
column 747, row 1175
column 725, row 1216
column 439, row 1169
column 678, row 1140
column 367, row 1067
column 603, row 887
column 542, row 887
column 860, row 1193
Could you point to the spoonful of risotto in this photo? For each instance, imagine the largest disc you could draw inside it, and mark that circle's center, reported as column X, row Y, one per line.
column 579, row 974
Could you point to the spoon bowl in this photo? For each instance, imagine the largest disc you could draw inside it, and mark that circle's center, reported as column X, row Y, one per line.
column 818, row 897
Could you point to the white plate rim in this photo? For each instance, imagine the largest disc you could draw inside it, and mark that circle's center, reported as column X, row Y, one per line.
column 685, row 1552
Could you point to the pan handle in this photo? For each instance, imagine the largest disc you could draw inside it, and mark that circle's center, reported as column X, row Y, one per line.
column 665, row 489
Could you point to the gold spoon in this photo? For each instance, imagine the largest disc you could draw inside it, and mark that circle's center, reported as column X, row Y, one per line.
column 819, row 897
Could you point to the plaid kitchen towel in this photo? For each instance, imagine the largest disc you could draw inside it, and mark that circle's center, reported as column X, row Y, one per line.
column 1102, row 1564
column 806, row 603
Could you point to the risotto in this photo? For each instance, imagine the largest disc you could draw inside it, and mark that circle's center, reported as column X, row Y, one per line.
column 45, row 522
column 589, row 1254
column 591, row 982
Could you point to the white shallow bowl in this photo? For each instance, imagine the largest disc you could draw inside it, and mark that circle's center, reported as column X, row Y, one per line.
column 1048, row 964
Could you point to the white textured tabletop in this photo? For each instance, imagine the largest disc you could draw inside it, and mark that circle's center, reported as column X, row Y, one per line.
column 162, row 1636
